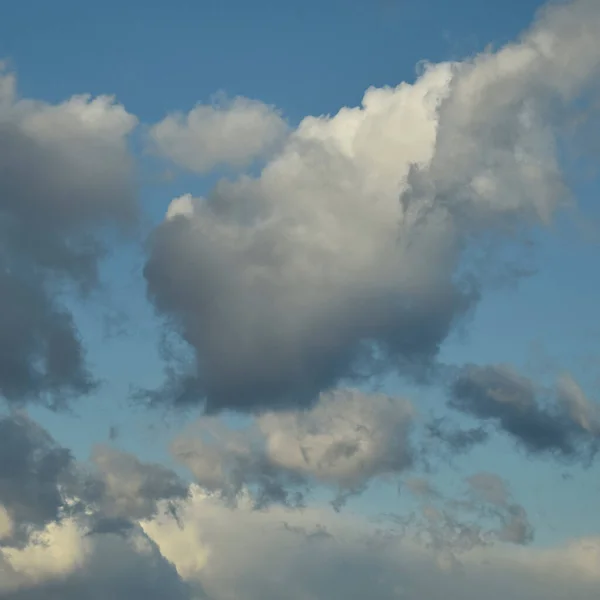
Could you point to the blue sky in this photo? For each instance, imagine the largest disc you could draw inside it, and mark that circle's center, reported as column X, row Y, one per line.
column 308, row 58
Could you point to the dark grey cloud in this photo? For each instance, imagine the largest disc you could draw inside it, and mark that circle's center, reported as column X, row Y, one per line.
column 65, row 175
column 32, row 470
column 120, row 486
column 560, row 421
column 454, row 439
column 41, row 483
column 254, row 350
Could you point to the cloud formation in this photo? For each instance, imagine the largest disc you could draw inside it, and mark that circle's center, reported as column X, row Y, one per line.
column 345, row 441
column 227, row 132
column 32, row 470
column 63, row 564
column 194, row 546
column 561, row 421
column 65, row 174
column 350, row 255
column 322, row 554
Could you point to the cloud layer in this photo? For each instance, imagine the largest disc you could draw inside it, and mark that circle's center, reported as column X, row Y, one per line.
column 353, row 254
column 196, row 546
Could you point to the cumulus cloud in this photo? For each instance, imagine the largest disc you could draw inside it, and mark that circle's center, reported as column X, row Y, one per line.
column 195, row 546
column 65, row 173
column 69, row 531
column 345, row 441
column 65, row 565
column 561, row 421
column 483, row 515
column 318, row 553
column 41, row 484
column 350, row 255
column 227, row 132
column 130, row 488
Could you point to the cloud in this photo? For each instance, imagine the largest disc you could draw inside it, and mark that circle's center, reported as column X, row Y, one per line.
column 291, row 556
column 123, row 487
column 32, row 470
column 65, row 173
column 227, row 132
column 345, row 441
column 42, row 484
column 560, row 421
column 483, row 515
column 352, row 254
column 193, row 546
column 69, row 532
column 66, row 565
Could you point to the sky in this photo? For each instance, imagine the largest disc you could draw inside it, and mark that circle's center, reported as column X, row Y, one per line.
column 298, row 300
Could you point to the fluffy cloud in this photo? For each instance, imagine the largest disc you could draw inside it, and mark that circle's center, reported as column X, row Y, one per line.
column 346, row 440
column 64, row 564
column 317, row 553
column 197, row 546
column 71, row 532
column 226, row 132
column 64, row 174
column 41, row 484
column 562, row 420
column 349, row 255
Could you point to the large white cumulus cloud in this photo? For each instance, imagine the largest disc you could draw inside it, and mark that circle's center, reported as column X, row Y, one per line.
column 342, row 259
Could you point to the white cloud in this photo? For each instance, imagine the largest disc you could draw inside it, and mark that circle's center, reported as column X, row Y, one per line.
column 316, row 553
column 341, row 259
column 64, row 563
column 226, row 132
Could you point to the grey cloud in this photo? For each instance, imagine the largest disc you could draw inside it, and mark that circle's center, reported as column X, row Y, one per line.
column 41, row 483
column 65, row 174
column 561, row 421
column 355, row 560
column 113, row 567
column 493, row 491
column 457, row 525
column 351, row 255
column 32, row 470
column 123, row 487
column 455, row 439
column 346, row 440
